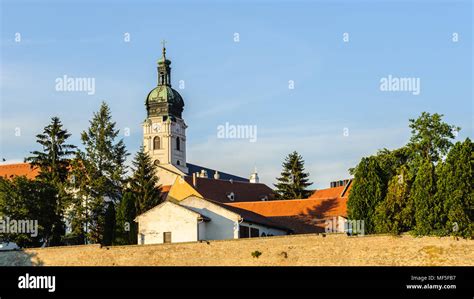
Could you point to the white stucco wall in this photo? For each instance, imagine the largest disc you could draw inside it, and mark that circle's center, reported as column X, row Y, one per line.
column 223, row 224
column 168, row 217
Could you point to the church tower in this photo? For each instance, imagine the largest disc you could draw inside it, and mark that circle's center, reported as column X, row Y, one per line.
column 164, row 130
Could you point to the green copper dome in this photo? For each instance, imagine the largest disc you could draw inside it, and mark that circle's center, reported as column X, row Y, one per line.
column 164, row 100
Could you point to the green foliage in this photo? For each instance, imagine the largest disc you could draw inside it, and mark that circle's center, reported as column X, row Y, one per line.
column 367, row 191
column 413, row 188
column 53, row 163
column 423, row 197
column 98, row 175
column 395, row 213
column 293, row 180
column 431, row 137
column 109, row 224
column 455, row 190
column 127, row 229
column 143, row 184
column 24, row 199
column 256, row 254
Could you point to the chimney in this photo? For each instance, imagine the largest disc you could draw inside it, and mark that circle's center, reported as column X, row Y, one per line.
column 194, row 180
column 254, row 177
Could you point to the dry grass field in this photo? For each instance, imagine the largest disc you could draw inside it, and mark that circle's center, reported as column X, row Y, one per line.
column 297, row 250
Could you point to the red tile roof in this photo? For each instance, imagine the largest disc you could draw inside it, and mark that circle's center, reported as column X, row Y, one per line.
column 218, row 190
column 303, row 215
column 320, row 208
column 328, row 193
column 334, row 192
column 18, row 169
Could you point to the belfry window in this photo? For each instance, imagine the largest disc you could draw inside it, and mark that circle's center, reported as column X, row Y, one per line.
column 178, row 144
column 156, row 143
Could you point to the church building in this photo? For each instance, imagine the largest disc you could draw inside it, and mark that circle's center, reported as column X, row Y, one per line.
column 164, row 132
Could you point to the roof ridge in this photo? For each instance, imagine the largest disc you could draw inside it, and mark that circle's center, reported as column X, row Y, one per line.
column 15, row 164
column 279, row 200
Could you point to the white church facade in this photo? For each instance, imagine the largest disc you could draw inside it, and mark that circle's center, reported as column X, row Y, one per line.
column 196, row 219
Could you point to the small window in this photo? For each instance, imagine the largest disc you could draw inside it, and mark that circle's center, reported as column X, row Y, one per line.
column 254, row 232
column 243, row 231
column 156, row 143
column 167, row 237
column 178, row 163
column 142, row 239
column 178, row 144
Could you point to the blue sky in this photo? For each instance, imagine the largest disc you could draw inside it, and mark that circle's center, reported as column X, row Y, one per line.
column 336, row 83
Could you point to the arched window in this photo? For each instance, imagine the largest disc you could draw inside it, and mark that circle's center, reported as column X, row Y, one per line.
column 178, row 144
column 156, row 143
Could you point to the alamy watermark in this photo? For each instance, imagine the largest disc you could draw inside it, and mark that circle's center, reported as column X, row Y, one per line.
column 401, row 84
column 229, row 131
column 81, row 84
column 341, row 225
column 13, row 226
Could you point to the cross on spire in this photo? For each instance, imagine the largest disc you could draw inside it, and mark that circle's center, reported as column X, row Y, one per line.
column 163, row 43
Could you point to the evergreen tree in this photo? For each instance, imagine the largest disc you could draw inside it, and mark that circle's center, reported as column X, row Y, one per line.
column 455, row 190
column 395, row 213
column 53, row 163
column 143, row 184
column 422, row 195
column 367, row 191
column 99, row 174
column 293, row 180
column 109, row 224
column 429, row 143
column 127, row 229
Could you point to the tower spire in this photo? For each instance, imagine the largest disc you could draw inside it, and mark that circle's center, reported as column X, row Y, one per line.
column 163, row 43
column 164, row 70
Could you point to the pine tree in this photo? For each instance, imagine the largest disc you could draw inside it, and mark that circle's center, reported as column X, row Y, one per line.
column 109, row 224
column 368, row 190
column 293, row 180
column 144, row 183
column 99, row 174
column 455, row 190
column 53, row 163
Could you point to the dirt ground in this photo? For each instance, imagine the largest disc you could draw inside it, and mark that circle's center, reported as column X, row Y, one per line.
column 297, row 250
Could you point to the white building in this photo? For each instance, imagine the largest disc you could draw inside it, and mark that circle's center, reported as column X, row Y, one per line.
column 194, row 219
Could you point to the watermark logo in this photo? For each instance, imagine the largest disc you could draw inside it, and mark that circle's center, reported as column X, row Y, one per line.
column 341, row 225
column 84, row 84
column 24, row 226
column 401, row 84
column 28, row 281
column 228, row 131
